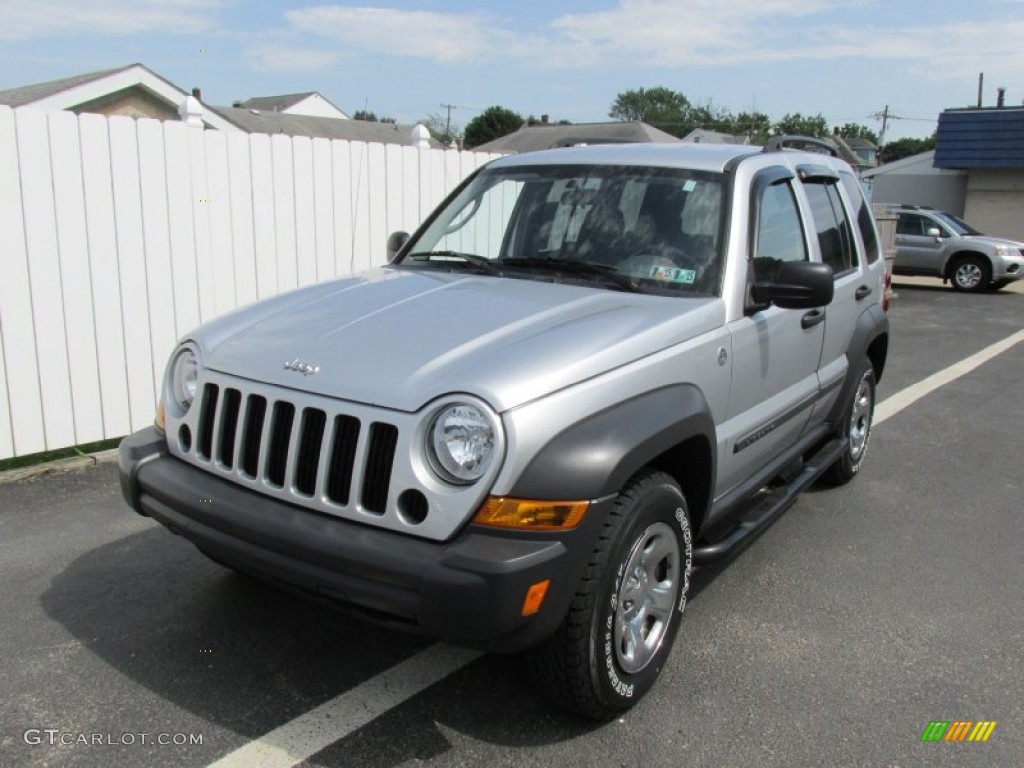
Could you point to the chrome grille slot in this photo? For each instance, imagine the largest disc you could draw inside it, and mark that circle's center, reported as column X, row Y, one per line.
column 281, row 420
column 228, row 426
column 343, row 455
column 311, row 435
column 207, row 414
column 379, row 459
column 255, row 412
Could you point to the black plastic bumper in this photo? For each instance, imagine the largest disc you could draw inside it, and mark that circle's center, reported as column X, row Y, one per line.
column 469, row 590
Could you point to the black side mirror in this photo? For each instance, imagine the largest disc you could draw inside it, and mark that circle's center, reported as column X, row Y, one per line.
column 798, row 285
column 396, row 241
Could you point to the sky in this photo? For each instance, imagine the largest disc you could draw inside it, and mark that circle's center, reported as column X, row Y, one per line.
column 844, row 59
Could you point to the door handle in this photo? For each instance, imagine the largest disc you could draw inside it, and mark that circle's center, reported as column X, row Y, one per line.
column 812, row 318
column 863, row 292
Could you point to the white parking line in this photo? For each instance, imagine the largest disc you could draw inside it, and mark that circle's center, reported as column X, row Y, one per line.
column 307, row 734
column 317, row 729
column 910, row 395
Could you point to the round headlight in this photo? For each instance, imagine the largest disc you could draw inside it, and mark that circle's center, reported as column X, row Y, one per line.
column 184, row 378
column 461, row 442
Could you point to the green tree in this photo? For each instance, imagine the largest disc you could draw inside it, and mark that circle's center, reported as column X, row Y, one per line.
column 857, row 131
column 757, row 126
column 897, row 150
column 665, row 109
column 370, row 117
column 441, row 129
column 493, row 123
column 796, row 124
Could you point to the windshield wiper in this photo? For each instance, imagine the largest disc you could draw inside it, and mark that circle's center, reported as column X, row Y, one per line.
column 466, row 258
column 606, row 272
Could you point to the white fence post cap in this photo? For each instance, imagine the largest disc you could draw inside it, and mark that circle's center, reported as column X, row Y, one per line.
column 191, row 112
column 420, row 136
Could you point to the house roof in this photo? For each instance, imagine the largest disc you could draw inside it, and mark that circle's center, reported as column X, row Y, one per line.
column 27, row 94
column 260, row 121
column 275, row 103
column 704, row 136
column 69, row 92
column 547, row 136
column 921, row 164
column 991, row 137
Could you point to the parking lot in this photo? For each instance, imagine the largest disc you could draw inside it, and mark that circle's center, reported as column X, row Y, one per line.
column 862, row 615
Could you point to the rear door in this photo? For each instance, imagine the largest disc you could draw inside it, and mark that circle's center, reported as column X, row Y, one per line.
column 916, row 250
column 776, row 351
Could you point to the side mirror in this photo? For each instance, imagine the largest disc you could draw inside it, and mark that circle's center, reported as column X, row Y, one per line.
column 798, row 285
column 396, row 241
column 934, row 232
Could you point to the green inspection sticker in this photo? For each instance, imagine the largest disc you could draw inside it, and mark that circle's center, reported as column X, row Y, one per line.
column 674, row 275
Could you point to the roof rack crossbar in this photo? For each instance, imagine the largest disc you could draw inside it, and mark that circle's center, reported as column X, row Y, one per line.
column 778, row 143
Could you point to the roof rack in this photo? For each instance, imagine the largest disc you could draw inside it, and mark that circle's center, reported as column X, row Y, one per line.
column 806, row 143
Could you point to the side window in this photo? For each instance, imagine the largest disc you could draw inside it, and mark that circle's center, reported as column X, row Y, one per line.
column 835, row 238
column 779, row 236
column 865, row 221
column 910, row 224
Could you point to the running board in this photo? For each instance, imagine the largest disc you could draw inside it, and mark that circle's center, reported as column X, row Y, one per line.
column 765, row 506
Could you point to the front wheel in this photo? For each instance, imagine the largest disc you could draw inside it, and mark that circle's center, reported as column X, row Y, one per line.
column 614, row 641
column 971, row 274
column 856, row 427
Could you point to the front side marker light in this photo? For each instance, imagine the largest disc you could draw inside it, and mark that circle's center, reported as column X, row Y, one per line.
column 160, row 419
column 535, row 597
column 531, row 515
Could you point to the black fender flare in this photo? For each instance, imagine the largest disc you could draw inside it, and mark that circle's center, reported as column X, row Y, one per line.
column 871, row 324
column 595, row 457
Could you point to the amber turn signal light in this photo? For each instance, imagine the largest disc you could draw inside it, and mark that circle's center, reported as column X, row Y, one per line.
column 159, row 419
column 535, row 596
column 531, row 515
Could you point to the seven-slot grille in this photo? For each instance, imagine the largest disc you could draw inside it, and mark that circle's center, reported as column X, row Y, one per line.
column 301, row 450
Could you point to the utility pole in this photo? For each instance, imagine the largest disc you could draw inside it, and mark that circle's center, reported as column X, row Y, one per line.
column 448, row 124
column 885, row 124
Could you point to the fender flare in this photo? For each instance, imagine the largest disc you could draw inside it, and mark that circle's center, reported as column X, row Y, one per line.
column 594, row 458
column 871, row 324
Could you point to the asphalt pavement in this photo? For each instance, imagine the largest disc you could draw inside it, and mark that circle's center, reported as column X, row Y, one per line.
column 861, row 616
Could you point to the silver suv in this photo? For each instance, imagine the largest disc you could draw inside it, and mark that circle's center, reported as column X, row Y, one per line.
column 590, row 370
column 936, row 244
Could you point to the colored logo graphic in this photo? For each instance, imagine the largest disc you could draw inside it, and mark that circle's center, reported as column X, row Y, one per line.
column 958, row 730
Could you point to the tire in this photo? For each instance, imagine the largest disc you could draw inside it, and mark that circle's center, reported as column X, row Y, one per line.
column 622, row 621
column 856, row 427
column 971, row 274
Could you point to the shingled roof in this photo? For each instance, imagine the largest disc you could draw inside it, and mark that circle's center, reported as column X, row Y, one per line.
column 260, row 121
column 549, row 135
column 27, row 94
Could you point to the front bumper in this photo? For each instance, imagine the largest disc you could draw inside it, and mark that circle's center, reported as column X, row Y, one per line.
column 469, row 590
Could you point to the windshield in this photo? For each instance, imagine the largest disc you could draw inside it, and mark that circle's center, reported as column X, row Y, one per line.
column 957, row 225
column 645, row 229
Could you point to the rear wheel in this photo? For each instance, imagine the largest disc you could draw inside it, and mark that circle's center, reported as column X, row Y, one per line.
column 621, row 623
column 856, row 428
column 971, row 273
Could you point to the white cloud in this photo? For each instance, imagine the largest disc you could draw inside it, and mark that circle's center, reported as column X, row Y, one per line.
column 284, row 57
column 679, row 34
column 445, row 37
column 31, row 19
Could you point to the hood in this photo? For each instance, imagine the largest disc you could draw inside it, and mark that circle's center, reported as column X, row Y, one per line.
column 994, row 241
column 400, row 338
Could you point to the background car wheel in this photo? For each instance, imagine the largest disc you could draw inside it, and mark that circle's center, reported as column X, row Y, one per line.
column 856, row 427
column 972, row 274
column 619, row 630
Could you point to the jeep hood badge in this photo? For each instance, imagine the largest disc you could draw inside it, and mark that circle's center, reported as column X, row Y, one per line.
column 306, row 369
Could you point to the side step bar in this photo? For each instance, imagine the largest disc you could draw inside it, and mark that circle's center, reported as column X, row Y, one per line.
column 768, row 504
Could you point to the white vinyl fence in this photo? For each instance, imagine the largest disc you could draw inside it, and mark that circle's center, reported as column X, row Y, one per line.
column 119, row 235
